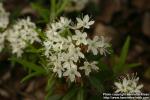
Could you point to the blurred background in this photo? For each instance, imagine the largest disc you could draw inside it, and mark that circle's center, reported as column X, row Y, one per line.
column 115, row 19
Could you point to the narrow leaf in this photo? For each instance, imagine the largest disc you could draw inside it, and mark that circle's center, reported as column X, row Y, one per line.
column 62, row 6
column 55, row 97
column 119, row 67
column 29, row 65
column 132, row 65
column 124, row 52
column 96, row 83
column 70, row 94
column 80, row 95
column 43, row 12
column 30, row 76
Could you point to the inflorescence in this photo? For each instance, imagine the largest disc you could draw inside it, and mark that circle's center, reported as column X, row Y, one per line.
column 64, row 47
column 128, row 84
column 4, row 21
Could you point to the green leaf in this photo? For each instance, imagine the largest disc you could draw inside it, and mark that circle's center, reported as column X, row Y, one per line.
column 62, row 6
column 41, row 34
column 53, row 10
column 132, row 65
column 147, row 73
column 15, row 13
column 32, row 49
column 80, row 95
column 124, row 52
column 30, row 76
column 55, row 97
column 96, row 83
column 43, row 12
column 50, row 86
column 121, row 63
column 105, row 73
column 29, row 65
column 51, row 82
column 70, row 95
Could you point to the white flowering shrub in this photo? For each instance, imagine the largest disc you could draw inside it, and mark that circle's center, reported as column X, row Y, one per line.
column 66, row 54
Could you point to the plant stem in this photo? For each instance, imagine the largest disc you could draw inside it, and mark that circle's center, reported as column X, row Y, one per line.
column 61, row 8
column 52, row 10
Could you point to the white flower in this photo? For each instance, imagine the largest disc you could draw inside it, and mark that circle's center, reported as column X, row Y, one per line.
column 89, row 66
column 103, row 46
column 93, row 45
column 68, row 42
column 20, row 33
column 98, row 45
column 57, row 27
column 75, row 53
column 72, row 73
column 52, row 30
column 18, row 47
column 128, row 85
column 47, row 45
column 16, row 42
column 58, row 68
column 27, row 30
column 68, row 64
column 122, row 87
column 80, row 37
column 4, row 17
column 86, row 23
column 58, row 46
column 64, row 22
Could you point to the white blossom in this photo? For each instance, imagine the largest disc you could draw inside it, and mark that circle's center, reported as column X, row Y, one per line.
column 80, row 37
column 98, row 45
column 64, row 22
column 47, row 45
column 85, row 22
column 128, row 85
column 72, row 73
column 75, row 53
column 103, row 46
column 58, row 68
column 93, row 45
column 20, row 33
column 89, row 66
column 57, row 27
column 4, row 17
column 16, row 42
column 52, row 30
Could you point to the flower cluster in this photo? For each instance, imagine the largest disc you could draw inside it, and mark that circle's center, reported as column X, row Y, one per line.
column 128, row 85
column 21, row 33
column 4, row 17
column 63, row 47
column 4, row 20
